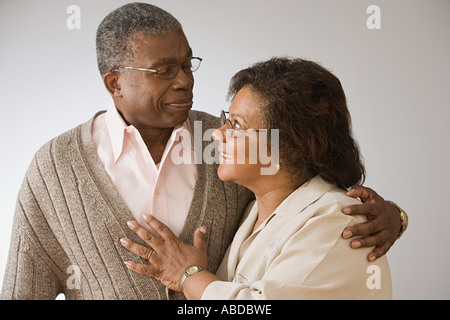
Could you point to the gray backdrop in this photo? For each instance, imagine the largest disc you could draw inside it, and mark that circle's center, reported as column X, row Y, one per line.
column 396, row 79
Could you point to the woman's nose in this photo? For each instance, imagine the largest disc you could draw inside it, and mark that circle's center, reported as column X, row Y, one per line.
column 219, row 134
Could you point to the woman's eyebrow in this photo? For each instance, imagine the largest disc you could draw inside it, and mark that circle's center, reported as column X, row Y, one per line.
column 236, row 115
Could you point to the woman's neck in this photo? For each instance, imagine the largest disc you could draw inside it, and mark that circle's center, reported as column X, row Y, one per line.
column 270, row 196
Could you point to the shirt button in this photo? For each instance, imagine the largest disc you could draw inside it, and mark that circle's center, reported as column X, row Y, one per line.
column 157, row 192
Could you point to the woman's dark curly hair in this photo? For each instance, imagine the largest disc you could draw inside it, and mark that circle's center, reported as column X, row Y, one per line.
column 307, row 104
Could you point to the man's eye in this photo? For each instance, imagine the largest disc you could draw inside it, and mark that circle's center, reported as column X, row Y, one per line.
column 187, row 64
column 166, row 70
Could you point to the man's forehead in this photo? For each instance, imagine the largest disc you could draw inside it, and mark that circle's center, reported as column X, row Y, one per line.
column 172, row 60
column 144, row 46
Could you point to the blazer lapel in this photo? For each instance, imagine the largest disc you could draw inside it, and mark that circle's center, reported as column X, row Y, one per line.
column 243, row 233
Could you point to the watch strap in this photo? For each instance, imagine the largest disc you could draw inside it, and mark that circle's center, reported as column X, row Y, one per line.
column 189, row 272
column 403, row 218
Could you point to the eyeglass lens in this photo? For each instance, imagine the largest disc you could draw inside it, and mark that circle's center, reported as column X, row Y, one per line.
column 188, row 66
column 229, row 126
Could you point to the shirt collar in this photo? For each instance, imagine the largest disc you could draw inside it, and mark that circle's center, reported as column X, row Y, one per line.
column 298, row 201
column 304, row 196
column 117, row 127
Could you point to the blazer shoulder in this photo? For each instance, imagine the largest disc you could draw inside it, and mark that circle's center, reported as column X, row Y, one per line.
column 338, row 199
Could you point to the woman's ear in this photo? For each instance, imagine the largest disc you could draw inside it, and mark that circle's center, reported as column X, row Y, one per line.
column 111, row 81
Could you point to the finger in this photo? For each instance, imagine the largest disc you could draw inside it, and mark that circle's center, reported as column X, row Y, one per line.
column 359, row 209
column 145, row 235
column 160, row 228
column 378, row 240
column 365, row 194
column 145, row 269
column 361, row 229
column 140, row 250
column 378, row 252
column 358, row 191
column 369, row 241
column 200, row 238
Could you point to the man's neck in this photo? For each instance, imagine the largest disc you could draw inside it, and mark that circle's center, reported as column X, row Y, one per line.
column 156, row 140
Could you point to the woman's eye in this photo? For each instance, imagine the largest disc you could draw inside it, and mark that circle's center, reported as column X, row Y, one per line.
column 236, row 125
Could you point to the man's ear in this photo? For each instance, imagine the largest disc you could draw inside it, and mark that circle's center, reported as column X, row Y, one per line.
column 111, row 81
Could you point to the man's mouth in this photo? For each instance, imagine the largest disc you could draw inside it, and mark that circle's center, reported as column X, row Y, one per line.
column 184, row 104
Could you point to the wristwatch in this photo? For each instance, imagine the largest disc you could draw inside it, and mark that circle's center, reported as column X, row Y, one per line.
column 189, row 272
column 403, row 218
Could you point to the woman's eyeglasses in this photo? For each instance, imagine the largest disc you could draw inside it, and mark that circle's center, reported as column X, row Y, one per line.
column 231, row 131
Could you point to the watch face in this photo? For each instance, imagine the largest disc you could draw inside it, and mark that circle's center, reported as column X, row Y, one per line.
column 194, row 269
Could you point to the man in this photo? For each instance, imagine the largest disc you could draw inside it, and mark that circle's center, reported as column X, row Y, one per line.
column 83, row 186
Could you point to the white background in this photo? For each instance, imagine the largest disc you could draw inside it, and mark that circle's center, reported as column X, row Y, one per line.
column 396, row 80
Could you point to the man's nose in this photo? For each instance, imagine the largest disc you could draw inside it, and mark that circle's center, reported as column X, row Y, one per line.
column 183, row 80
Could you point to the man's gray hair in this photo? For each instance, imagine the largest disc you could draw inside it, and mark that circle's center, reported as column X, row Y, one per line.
column 116, row 29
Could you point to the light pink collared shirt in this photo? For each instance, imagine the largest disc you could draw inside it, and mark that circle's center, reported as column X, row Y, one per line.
column 164, row 190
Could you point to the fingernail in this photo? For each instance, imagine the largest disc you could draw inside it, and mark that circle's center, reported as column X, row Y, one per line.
column 203, row 229
column 372, row 257
column 124, row 241
column 131, row 224
column 146, row 217
column 128, row 264
column 347, row 210
column 347, row 234
column 356, row 244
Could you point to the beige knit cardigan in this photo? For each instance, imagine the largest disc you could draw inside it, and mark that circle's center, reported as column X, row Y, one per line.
column 69, row 219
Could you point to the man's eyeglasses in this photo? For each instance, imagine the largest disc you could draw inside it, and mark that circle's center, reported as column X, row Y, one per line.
column 231, row 131
column 169, row 72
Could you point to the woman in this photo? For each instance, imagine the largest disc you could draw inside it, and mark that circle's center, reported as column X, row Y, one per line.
column 289, row 245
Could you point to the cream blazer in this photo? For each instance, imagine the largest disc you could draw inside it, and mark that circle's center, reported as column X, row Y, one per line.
column 299, row 253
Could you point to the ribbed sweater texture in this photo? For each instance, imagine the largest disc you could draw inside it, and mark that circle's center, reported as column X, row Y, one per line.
column 69, row 219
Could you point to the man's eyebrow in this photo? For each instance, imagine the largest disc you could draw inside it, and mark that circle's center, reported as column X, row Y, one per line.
column 166, row 61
